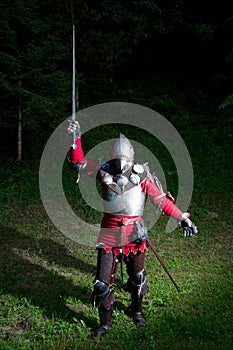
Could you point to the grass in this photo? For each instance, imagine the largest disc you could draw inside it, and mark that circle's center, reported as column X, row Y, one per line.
column 46, row 282
column 46, row 279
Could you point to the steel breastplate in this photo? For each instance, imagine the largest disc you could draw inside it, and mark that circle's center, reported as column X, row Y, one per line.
column 130, row 202
column 123, row 195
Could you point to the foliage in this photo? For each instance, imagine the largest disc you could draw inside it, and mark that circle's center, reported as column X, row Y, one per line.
column 227, row 102
column 33, row 53
column 114, row 41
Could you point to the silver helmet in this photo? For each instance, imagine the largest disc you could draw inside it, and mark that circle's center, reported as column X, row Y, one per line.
column 122, row 152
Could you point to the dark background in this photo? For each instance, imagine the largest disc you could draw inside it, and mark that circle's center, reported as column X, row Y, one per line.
column 172, row 56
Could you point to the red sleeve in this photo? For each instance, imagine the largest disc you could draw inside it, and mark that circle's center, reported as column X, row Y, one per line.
column 77, row 156
column 159, row 199
column 171, row 209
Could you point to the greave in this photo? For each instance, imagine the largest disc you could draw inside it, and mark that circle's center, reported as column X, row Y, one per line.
column 136, row 309
column 105, row 316
column 136, row 304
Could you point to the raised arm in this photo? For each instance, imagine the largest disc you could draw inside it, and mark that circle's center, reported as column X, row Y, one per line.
column 76, row 157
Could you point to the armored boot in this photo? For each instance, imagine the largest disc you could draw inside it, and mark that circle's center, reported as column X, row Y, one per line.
column 105, row 321
column 136, row 311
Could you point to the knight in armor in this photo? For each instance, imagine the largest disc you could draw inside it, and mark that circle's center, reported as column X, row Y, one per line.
column 123, row 235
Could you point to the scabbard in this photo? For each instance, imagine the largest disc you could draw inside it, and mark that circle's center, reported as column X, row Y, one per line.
column 162, row 263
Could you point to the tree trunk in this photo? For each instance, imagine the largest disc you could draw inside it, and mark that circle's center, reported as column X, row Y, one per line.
column 19, row 150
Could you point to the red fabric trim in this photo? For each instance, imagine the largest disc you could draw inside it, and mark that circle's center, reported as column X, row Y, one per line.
column 113, row 221
column 128, row 248
column 114, row 228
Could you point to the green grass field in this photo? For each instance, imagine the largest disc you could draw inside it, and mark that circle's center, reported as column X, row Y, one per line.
column 46, row 279
column 46, row 282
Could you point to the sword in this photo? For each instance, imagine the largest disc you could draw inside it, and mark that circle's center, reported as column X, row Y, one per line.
column 162, row 263
column 73, row 91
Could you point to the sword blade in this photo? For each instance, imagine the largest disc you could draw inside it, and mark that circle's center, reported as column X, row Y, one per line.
column 73, row 89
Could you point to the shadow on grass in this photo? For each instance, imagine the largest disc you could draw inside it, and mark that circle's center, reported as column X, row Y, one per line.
column 24, row 273
column 201, row 318
column 56, row 253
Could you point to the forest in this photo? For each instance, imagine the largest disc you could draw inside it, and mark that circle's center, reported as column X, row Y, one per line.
column 171, row 56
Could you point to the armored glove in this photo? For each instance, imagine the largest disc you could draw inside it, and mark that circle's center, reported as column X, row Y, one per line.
column 189, row 228
column 73, row 127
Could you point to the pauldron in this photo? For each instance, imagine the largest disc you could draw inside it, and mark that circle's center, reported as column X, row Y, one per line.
column 121, row 183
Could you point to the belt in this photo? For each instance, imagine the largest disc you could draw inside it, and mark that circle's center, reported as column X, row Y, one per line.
column 124, row 222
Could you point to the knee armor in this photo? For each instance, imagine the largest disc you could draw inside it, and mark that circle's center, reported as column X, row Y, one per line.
column 101, row 288
column 138, row 279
